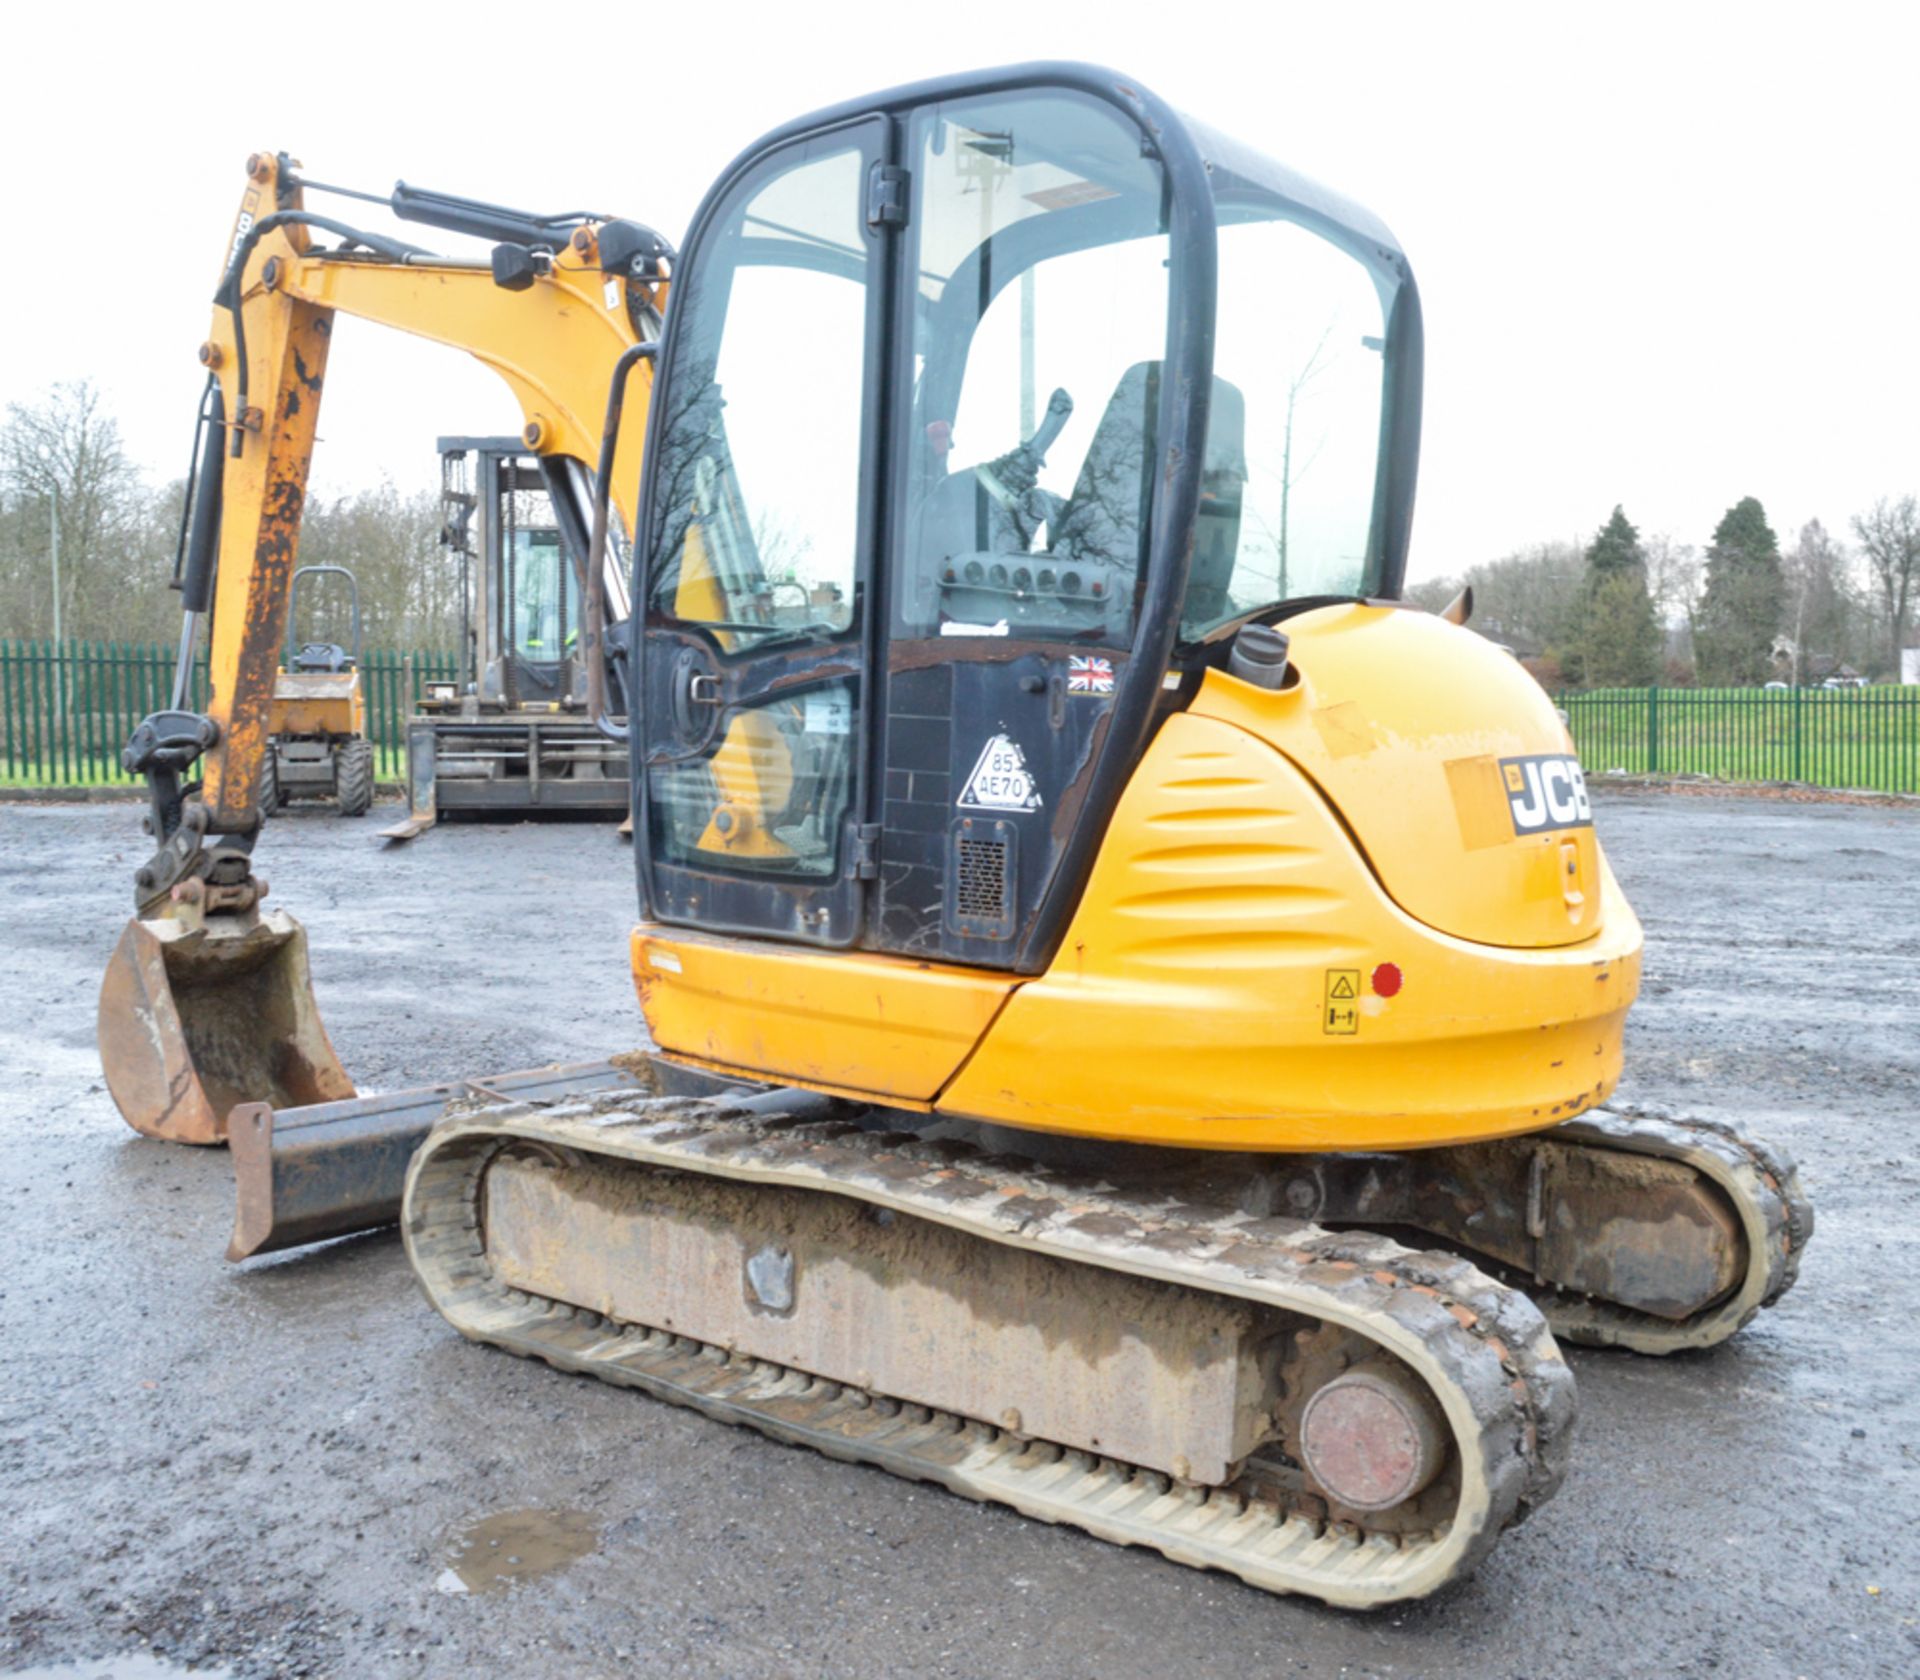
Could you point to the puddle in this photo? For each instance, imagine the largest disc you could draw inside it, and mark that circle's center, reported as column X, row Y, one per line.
column 516, row 1546
column 136, row 1665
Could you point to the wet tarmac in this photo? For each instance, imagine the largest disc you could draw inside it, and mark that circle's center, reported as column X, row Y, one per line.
column 272, row 1468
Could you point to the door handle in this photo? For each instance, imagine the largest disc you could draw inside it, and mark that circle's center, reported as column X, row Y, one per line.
column 703, row 689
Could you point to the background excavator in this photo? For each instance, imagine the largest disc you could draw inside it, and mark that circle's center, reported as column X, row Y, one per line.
column 1088, row 923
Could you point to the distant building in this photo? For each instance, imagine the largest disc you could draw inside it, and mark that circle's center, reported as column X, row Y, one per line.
column 1910, row 658
column 1812, row 668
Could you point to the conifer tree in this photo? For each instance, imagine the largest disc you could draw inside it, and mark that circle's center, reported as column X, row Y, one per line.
column 1745, row 599
column 1618, row 637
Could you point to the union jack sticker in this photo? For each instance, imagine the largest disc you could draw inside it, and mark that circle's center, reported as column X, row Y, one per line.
column 1091, row 675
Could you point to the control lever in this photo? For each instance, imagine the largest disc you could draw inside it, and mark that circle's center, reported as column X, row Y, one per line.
column 1018, row 470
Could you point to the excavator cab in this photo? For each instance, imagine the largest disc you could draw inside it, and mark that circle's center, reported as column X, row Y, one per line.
column 1035, row 675
column 1086, row 389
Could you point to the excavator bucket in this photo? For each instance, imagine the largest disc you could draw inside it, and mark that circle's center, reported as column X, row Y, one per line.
column 195, row 1020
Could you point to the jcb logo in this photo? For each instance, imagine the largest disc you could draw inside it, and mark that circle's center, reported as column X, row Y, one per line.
column 1546, row 790
column 244, row 225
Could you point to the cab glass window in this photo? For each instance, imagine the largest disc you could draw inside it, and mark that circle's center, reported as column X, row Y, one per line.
column 538, row 587
column 1293, row 448
column 1039, row 248
column 757, row 494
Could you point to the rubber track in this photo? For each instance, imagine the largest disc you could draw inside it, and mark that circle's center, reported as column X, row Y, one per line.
column 1483, row 1348
column 1759, row 1179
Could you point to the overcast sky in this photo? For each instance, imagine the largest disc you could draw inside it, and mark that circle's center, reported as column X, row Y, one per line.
column 1667, row 251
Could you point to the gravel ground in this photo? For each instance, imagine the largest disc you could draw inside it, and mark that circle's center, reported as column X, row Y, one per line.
column 270, row 1468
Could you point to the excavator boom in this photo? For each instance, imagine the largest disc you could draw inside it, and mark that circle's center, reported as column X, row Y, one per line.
column 207, row 1001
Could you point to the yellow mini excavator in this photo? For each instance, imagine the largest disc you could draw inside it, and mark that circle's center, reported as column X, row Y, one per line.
column 1089, row 925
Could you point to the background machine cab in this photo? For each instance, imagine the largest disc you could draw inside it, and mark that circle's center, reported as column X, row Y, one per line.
column 512, row 736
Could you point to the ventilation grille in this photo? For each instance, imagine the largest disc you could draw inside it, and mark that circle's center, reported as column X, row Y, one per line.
column 980, row 879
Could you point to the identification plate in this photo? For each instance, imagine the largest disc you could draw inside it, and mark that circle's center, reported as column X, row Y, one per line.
column 1000, row 780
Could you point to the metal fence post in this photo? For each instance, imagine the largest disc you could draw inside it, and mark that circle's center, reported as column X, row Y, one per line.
column 1799, row 734
column 1653, row 731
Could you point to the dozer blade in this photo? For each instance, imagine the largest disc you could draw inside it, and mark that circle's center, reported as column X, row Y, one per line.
column 303, row 1175
column 197, row 1020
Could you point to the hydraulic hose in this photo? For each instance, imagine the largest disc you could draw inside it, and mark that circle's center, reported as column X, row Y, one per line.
column 597, row 547
column 228, row 294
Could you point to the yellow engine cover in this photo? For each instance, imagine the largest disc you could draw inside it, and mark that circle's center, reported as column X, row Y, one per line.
column 1237, row 978
column 1426, row 738
column 1365, row 911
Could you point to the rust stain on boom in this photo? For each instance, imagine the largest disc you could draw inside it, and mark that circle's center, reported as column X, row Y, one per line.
column 256, row 567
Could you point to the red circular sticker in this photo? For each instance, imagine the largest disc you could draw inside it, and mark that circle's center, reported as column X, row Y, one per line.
column 1386, row 979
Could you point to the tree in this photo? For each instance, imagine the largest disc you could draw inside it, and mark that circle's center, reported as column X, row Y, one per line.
column 1673, row 581
column 118, row 537
column 1890, row 538
column 63, row 453
column 1616, row 550
column 1528, row 600
column 1290, row 475
column 1823, row 612
column 1616, row 643
column 1673, row 578
column 389, row 540
column 1743, row 604
column 1433, row 594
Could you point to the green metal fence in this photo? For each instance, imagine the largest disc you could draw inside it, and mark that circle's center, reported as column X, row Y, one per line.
column 67, row 709
column 1840, row 738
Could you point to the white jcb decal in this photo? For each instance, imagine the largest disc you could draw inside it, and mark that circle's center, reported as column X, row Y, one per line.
column 1000, row 781
column 1546, row 790
column 244, row 225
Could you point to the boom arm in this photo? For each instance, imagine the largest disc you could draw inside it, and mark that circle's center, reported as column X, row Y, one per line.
column 207, row 1001
column 553, row 331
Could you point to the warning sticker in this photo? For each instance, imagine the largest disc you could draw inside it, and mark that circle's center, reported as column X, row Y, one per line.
column 829, row 712
column 1342, row 1009
column 1000, row 781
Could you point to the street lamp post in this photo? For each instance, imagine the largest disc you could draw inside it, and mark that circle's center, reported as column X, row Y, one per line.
column 54, row 544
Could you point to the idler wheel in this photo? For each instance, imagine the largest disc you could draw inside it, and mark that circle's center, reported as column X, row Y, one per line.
column 1371, row 1438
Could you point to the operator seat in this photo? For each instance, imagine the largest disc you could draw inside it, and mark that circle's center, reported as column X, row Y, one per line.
column 1103, row 523
column 323, row 656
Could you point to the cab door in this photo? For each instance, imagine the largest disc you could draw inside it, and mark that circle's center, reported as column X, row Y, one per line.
column 1038, row 265
column 757, row 566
